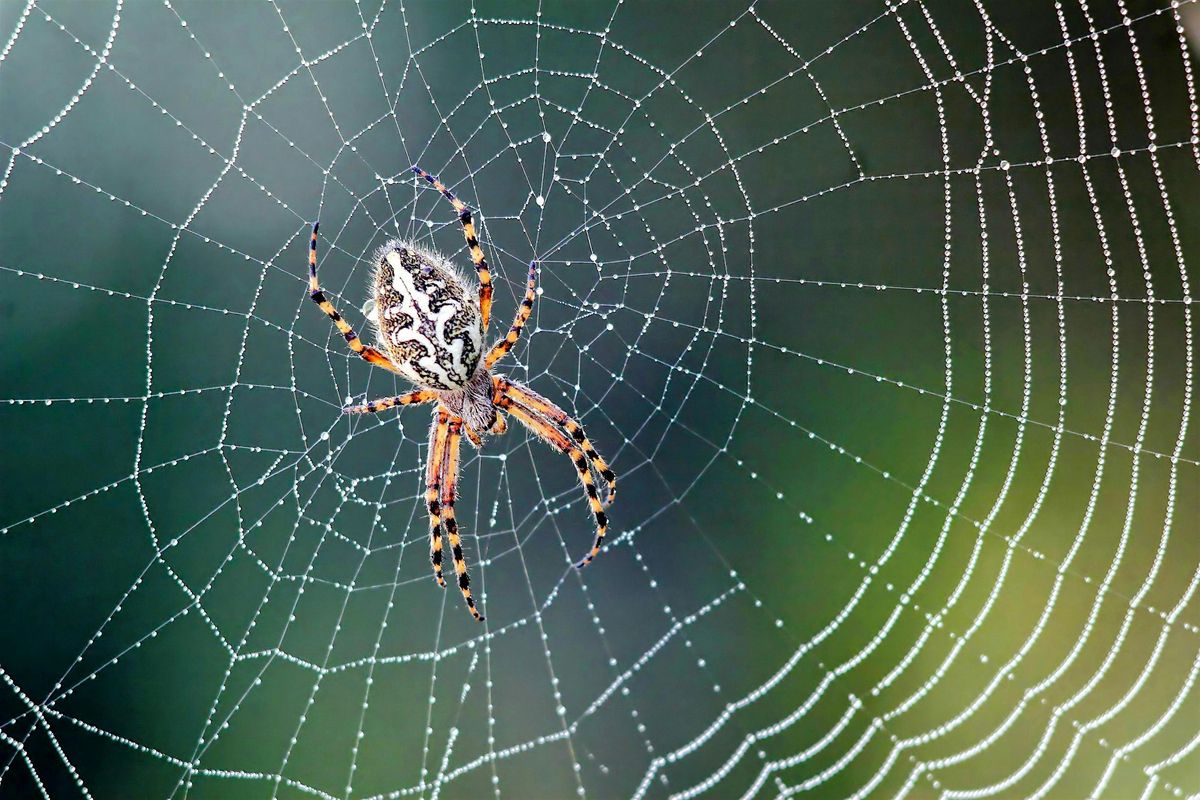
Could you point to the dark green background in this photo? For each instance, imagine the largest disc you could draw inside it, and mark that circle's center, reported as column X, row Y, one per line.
column 772, row 391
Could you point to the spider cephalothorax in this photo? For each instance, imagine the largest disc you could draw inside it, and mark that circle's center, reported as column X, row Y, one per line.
column 430, row 331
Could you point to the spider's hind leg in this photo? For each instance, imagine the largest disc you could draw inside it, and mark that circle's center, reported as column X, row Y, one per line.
column 369, row 354
column 477, row 257
column 475, row 438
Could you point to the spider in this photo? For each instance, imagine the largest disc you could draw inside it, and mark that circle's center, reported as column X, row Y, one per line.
column 430, row 333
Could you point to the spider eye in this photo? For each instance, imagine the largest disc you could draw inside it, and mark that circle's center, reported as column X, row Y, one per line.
column 426, row 269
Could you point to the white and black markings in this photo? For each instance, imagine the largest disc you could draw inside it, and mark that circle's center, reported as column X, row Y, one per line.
column 425, row 319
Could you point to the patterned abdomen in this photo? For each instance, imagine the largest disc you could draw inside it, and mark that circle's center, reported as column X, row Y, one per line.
column 427, row 321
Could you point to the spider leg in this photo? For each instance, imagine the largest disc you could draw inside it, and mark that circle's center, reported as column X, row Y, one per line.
column 473, row 436
column 546, row 431
column 523, row 311
column 499, row 426
column 370, row 354
column 438, row 434
column 449, row 489
column 383, row 404
column 481, row 265
column 534, row 401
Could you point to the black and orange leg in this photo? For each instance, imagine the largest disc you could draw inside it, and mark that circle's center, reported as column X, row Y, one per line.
column 438, row 435
column 370, row 354
column 481, row 265
column 499, row 426
column 545, row 430
column 526, row 308
column 383, row 404
column 532, row 400
column 473, row 436
column 449, row 491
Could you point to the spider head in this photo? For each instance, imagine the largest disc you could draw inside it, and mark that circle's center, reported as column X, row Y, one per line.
column 474, row 403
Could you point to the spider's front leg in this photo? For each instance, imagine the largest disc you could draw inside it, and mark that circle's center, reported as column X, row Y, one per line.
column 449, row 490
column 547, row 432
column 533, row 401
column 439, row 432
column 475, row 438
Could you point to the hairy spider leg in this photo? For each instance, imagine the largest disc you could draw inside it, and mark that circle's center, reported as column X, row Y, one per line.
column 370, row 354
column 473, row 436
column 546, row 431
column 449, row 489
column 384, row 403
column 534, row 401
column 438, row 434
column 468, row 225
column 523, row 311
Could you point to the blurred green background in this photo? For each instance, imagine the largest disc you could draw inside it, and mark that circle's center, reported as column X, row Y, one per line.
column 908, row 467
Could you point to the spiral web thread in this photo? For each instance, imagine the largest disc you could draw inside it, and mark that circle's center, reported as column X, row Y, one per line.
column 606, row 184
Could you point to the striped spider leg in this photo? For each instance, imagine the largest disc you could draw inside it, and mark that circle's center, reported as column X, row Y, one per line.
column 468, row 225
column 449, row 492
column 547, row 421
column 441, row 489
column 369, row 354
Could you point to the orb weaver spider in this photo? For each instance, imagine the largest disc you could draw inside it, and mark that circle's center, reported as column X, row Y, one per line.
column 430, row 333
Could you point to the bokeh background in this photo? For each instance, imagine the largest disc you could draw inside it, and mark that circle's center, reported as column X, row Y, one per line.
column 883, row 313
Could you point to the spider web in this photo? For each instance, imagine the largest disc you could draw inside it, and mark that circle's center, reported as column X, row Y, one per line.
column 882, row 313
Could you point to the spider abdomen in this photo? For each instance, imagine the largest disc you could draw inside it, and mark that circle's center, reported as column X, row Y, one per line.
column 426, row 321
